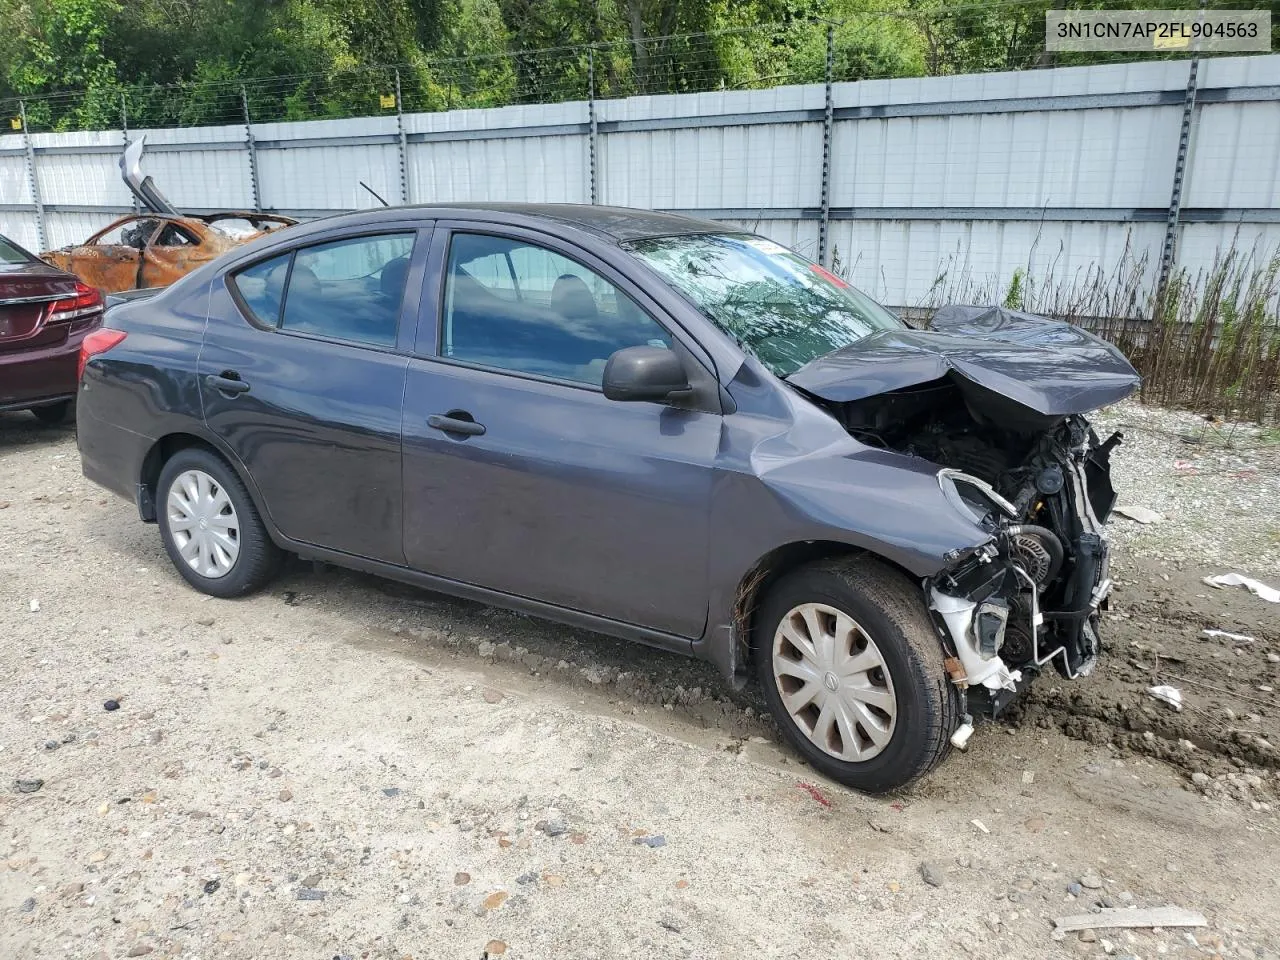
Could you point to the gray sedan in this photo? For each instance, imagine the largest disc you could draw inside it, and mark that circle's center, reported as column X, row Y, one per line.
column 649, row 426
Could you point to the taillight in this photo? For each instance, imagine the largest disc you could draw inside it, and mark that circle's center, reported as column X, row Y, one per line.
column 100, row 341
column 85, row 301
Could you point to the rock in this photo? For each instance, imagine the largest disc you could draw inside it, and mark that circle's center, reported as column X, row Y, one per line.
column 461, row 879
column 391, row 791
column 494, row 948
column 657, row 840
column 493, row 696
column 1107, row 946
column 1074, row 889
column 494, row 900
column 1091, row 881
column 308, row 893
column 275, row 773
column 99, row 856
column 1273, row 658
column 52, row 745
column 205, row 621
column 139, row 950
column 879, row 826
column 486, row 649
column 212, row 886
column 553, row 828
column 530, row 877
column 72, row 889
column 285, row 796
column 932, row 874
column 111, row 705
column 28, row 905
column 27, row 786
column 1088, row 936
column 1200, row 779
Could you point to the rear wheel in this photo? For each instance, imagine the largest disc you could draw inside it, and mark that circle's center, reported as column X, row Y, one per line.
column 52, row 414
column 853, row 671
column 210, row 527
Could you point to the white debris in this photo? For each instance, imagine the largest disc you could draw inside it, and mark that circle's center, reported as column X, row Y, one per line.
column 1256, row 587
column 1140, row 514
column 980, row 825
column 1170, row 695
column 1115, row 918
column 1237, row 637
column 35, row 605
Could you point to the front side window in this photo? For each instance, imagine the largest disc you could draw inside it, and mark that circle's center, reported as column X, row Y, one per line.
column 518, row 306
column 347, row 289
column 777, row 305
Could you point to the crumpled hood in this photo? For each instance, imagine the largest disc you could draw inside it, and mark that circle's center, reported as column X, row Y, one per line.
column 1053, row 368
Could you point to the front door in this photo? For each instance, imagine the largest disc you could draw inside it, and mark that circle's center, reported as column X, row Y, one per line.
column 302, row 374
column 520, row 475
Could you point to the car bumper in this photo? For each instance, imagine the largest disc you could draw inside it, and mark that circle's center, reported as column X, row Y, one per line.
column 110, row 456
column 40, row 376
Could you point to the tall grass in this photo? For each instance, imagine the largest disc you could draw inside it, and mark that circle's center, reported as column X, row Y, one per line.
column 1210, row 343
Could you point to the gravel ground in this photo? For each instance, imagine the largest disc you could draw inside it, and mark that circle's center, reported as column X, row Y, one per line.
column 341, row 767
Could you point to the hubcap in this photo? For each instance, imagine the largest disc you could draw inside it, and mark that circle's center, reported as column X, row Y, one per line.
column 834, row 682
column 203, row 523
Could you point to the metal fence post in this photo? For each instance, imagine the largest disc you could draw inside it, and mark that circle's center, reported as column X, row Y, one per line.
column 824, row 224
column 592, row 129
column 33, row 182
column 253, row 151
column 1169, row 254
column 404, row 146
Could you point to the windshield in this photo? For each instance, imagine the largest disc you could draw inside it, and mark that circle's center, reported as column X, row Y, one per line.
column 784, row 309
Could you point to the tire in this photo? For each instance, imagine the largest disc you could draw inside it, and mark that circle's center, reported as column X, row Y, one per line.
column 890, row 719
column 52, row 414
column 231, row 554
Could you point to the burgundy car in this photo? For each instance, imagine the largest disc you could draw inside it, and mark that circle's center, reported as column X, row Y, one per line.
column 45, row 314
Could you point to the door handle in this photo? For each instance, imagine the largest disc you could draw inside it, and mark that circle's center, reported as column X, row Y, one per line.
column 453, row 422
column 225, row 384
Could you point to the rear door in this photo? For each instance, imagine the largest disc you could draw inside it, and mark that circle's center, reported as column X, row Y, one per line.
column 520, row 475
column 302, row 374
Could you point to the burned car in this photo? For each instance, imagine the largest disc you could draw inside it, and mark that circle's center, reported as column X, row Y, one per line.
column 156, row 248
column 642, row 425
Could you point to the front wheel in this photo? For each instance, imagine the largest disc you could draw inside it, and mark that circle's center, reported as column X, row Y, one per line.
column 853, row 672
column 210, row 527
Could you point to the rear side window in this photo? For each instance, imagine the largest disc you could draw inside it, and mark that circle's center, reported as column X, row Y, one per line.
column 347, row 290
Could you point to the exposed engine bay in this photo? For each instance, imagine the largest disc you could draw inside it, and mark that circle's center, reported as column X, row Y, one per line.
column 1040, row 484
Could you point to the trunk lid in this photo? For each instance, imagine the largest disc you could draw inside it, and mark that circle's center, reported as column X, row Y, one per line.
column 26, row 290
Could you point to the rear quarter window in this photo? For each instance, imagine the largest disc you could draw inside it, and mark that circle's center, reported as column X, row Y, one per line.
column 261, row 289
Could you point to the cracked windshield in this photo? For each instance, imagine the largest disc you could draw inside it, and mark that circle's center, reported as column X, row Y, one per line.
column 783, row 308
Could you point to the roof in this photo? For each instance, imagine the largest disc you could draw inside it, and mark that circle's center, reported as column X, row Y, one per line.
column 620, row 223
column 614, row 223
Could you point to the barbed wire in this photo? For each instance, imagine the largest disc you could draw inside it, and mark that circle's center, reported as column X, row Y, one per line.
column 735, row 58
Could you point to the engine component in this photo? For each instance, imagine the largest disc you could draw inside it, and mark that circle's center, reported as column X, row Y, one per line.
column 988, row 628
column 1037, row 550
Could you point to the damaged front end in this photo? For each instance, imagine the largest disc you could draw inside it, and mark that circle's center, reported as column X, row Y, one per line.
column 1033, row 596
column 996, row 400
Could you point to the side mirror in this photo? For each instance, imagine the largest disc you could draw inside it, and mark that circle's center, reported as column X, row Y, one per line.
column 645, row 373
